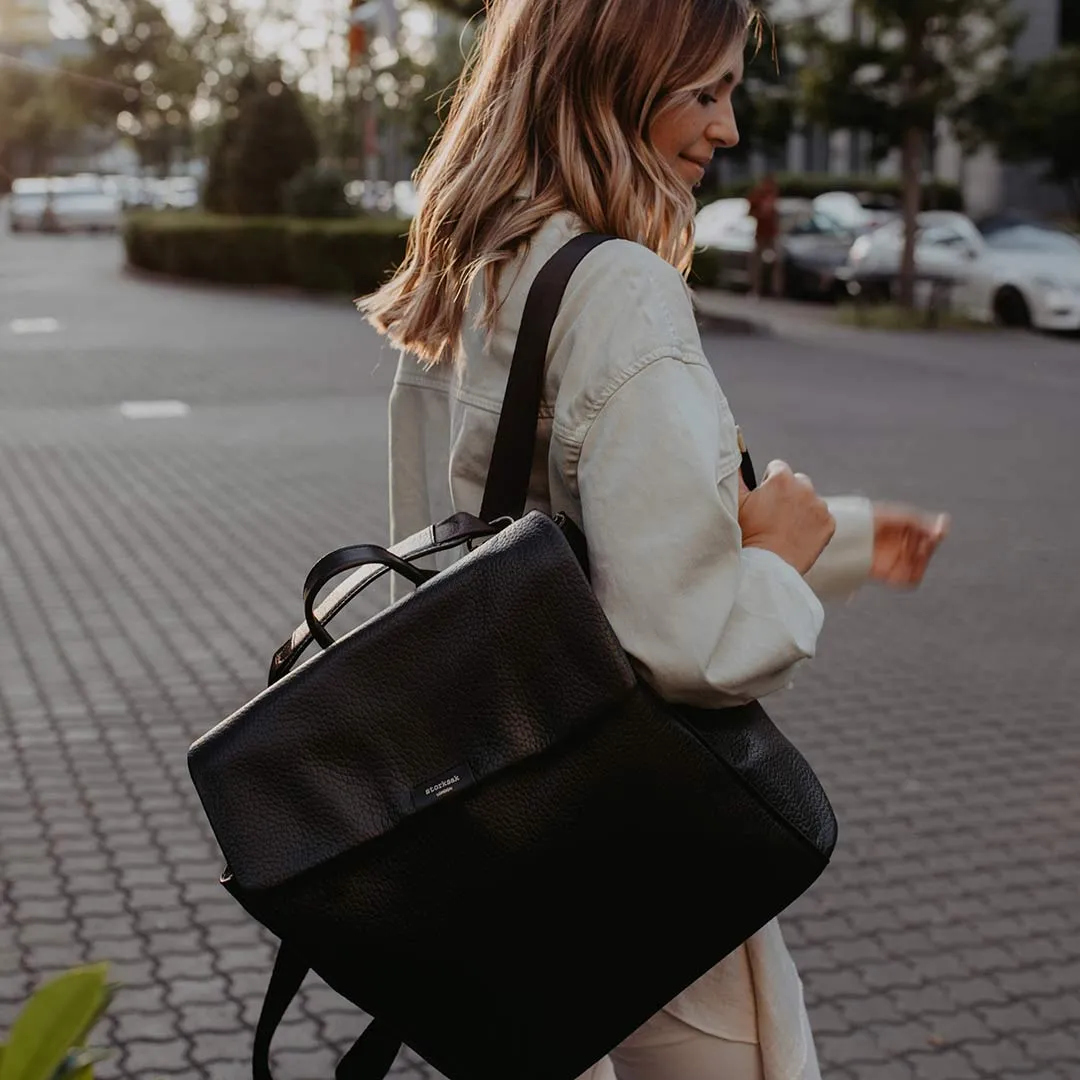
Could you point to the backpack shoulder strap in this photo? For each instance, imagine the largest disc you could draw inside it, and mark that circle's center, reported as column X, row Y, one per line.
column 371, row 1057
column 511, row 458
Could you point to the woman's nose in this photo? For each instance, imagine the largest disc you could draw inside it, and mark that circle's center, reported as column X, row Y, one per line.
column 723, row 132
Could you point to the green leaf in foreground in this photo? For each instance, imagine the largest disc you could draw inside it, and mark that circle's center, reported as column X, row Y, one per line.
column 53, row 1021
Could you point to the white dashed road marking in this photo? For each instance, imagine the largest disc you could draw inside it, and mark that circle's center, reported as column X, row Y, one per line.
column 34, row 326
column 153, row 410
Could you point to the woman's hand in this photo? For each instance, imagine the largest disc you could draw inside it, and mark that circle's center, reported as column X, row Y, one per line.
column 905, row 540
column 786, row 516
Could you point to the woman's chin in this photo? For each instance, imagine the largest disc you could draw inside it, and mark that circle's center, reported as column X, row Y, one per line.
column 692, row 172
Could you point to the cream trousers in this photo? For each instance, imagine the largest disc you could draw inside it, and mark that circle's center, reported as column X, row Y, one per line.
column 664, row 1048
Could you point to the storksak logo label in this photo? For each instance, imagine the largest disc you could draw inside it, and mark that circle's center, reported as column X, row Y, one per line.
column 443, row 786
column 438, row 787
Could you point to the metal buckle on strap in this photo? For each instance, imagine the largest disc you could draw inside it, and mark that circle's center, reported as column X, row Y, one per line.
column 506, row 519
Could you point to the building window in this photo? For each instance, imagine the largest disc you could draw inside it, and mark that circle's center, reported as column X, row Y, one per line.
column 1070, row 22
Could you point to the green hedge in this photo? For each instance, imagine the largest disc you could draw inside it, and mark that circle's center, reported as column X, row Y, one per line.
column 344, row 256
column 706, row 268
column 937, row 195
column 350, row 256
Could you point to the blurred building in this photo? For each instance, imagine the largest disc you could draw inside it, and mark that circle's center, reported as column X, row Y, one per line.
column 988, row 184
column 1049, row 25
column 25, row 33
column 24, row 24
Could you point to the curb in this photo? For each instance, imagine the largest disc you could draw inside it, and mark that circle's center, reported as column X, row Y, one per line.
column 719, row 316
column 293, row 292
column 731, row 324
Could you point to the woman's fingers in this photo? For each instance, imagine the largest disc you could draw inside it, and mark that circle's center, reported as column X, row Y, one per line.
column 775, row 466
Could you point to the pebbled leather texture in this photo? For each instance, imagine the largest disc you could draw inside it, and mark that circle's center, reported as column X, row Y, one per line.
column 565, row 889
column 751, row 745
column 370, row 732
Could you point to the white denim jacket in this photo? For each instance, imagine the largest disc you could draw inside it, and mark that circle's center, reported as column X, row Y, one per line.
column 637, row 444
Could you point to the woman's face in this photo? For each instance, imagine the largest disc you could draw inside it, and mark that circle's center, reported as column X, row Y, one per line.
column 687, row 135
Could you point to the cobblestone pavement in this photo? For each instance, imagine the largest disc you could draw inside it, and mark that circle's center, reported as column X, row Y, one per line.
column 148, row 568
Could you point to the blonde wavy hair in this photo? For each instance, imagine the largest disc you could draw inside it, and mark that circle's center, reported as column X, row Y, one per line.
column 556, row 101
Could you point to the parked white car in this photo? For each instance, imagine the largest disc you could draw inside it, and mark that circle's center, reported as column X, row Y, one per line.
column 942, row 246
column 1025, row 275
column 717, row 221
column 86, row 205
column 406, row 200
column 371, row 195
column 813, row 245
column 848, row 211
column 26, row 204
column 1022, row 274
column 63, row 204
column 162, row 193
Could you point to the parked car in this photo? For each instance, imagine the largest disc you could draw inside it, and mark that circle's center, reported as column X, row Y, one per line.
column 942, row 243
column 1025, row 275
column 406, row 200
column 134, row 192
column 63, row 204
column 814, row 245
column 713, row 219
column 175, row 193
column 26, row 204
column 851, row 213
column 83, row 204
column 371, row 196
column 1013, row 272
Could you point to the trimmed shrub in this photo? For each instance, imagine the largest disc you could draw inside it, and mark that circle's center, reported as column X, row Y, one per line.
column 705, row 270
column 350, row 256
column 238, row 250
column 317, row 193
column 354, row 256
column 261, row 149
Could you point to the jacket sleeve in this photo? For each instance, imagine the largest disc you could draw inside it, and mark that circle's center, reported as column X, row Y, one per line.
column 706, row 621
column 844, row 566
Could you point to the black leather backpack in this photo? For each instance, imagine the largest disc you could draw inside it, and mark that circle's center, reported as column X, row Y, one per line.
column 469, row 815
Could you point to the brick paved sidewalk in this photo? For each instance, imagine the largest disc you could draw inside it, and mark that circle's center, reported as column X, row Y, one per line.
column 138, row 613
column 148, row 570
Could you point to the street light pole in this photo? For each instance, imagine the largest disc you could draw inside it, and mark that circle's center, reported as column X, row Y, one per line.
column 361, row 16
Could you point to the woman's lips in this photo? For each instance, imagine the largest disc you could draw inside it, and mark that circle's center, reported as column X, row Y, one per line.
column 696, row 164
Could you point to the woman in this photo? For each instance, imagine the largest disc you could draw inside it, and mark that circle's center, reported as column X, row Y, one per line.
column 601, row 115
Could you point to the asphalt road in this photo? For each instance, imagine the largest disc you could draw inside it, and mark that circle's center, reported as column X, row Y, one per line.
column 149, row 567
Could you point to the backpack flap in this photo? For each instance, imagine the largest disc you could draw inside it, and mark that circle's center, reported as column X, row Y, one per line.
column 448, row 686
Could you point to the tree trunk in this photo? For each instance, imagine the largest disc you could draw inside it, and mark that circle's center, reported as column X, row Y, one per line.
column 911, row 170
column 165, row 161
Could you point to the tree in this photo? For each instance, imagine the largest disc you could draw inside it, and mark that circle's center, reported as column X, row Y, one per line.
column 37, row 119
column 217, row 193
column 917, row 62
column 765, row 100
column 155, row 85
column 261, row 149
column 423, row 85
column 466, row 9
column 141, row 77
column 1029, row 114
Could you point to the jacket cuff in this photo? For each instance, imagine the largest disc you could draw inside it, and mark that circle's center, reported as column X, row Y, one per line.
column 805, row 632
column 844, row 566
